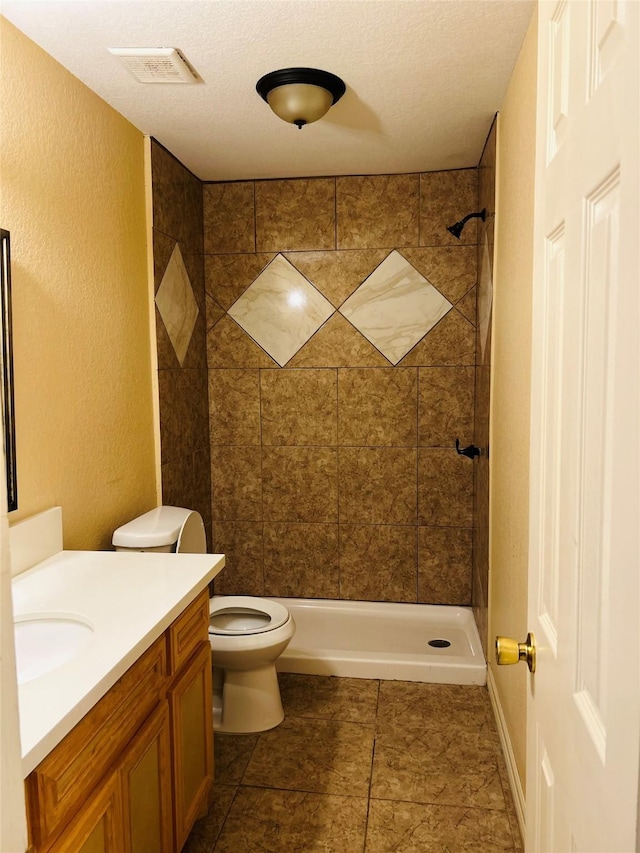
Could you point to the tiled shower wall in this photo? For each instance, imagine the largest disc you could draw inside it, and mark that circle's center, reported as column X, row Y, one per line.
column 486, row 199
column 333, row 467
column 184, row 425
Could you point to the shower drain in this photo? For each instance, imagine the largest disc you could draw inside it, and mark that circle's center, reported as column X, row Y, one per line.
column 439, row 644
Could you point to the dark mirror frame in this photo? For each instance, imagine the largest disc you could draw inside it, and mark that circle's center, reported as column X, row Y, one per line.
column 8, row 412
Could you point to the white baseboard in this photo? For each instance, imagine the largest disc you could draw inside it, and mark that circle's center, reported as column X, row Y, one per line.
column 507, row 749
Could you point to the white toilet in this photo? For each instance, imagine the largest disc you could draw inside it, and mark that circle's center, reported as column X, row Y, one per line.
column 247, row 634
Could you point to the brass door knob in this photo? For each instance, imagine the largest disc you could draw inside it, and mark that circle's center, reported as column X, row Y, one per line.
column 510, row 651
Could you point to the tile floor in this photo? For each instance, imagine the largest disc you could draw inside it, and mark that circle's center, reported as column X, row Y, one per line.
column 363, row 766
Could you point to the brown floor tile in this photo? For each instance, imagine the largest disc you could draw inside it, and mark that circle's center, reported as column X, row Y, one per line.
column 409, row 703
column 206, row 830
column 411, row 828
column 277, row 821
column 322, row 756
column 232, row 753
column 352, row 700
column 422, row 764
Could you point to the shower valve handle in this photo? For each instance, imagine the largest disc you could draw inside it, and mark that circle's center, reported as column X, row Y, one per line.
column 471, row 451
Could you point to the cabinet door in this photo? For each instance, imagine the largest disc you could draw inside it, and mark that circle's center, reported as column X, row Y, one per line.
column 99, row 827
column 145, row 774
column 191, row 704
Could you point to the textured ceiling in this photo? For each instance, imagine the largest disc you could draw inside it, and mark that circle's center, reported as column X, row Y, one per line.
column 424, row 77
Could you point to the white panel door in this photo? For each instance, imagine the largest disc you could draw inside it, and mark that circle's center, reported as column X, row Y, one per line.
column 583, row 726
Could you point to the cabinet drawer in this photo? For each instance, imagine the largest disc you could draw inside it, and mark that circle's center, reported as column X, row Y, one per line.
column 189, row 630
column 61, row 783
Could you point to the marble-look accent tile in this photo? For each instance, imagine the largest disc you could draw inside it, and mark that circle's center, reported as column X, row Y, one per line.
column 352, row 700
column 301, row 560
column 281, row 310
column 414, row 704
column 452, row 341
column 446, row 198
column 206, row 830
column 337, row 274
column 241, row 543
column 234, row 406
column 467, row 305
column 445, row 406
column 444, row 565
column 232, row 754
column 213, row 312
column 300, row 484
column 378, row 485
column 325, row 756
column 236, row 487
column 167, row 358
column 377, row 406
column 375, row 211
column 229, row 221
column 295, row 215
column 184, row 419
column 272, row 821
column 445, row 488
column 338, row 344
column 394, row 827
column 443, row 766
column 299, row 407
column 378, row 562
column 395, row 307
column 163, row 247
column 228, row 345
column 177, row 304
column 226, row 277
column 450, row 269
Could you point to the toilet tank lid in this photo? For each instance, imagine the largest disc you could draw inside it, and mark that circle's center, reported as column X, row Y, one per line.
column 160, row 526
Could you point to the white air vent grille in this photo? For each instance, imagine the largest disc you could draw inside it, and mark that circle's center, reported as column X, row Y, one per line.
column 155, row 64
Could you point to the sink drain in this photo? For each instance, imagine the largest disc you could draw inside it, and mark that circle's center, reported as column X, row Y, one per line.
column 439, row 644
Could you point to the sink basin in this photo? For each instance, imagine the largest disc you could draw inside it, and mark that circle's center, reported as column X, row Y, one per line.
column 45, row 641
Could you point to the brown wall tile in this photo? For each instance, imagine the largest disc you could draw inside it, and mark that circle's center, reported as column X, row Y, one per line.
column 241, row 543
column 229, row 218
column 377, row 406
column 300, row 484
column 236, row 485
column 169, row 193
column 451, row 269
column 378, row 562
column 377, row 211
column 451, row 341
column 213, row 312
column 445, row 405
column 377, row 485
column 337, row 274
column 301, row 560
column 295, row 215
column 228, row 276
column 234, row 406
column 445, row 198
column 444, row 565
column 183, row 415
column 445, row 488
column 338, row 344
column 230, row 346
column 467, row 306
column 299, row 407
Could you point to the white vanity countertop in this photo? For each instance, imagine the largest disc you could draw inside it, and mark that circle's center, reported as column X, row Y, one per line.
column 129, row 599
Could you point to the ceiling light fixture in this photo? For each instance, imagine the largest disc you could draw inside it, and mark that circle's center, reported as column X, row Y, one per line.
column 300, row 95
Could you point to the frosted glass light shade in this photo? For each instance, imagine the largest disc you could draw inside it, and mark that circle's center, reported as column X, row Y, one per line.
column 299, row 102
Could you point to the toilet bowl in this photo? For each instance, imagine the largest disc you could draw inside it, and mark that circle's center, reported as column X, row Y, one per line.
column 247, row 636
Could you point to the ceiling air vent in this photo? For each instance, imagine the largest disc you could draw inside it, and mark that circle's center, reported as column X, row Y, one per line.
column 155, row 64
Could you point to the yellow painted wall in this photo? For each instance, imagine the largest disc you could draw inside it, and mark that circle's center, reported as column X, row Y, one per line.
column 510, row 381
column 72, row 185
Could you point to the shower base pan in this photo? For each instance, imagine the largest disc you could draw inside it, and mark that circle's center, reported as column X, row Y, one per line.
column 405, row 642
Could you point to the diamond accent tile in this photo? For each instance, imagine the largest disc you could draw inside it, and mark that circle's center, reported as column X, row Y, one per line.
column 281, row 310
column 395, row 307
column 177, row 304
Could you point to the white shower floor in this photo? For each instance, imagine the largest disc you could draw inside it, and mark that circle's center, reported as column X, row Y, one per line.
column 361, row 639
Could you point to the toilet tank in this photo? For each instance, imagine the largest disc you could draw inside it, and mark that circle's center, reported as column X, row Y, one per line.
column 164, row 529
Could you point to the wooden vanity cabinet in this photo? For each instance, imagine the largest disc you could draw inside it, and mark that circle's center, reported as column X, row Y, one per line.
column 136, row 771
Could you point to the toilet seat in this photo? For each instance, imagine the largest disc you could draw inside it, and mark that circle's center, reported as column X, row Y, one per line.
column 242, row 615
